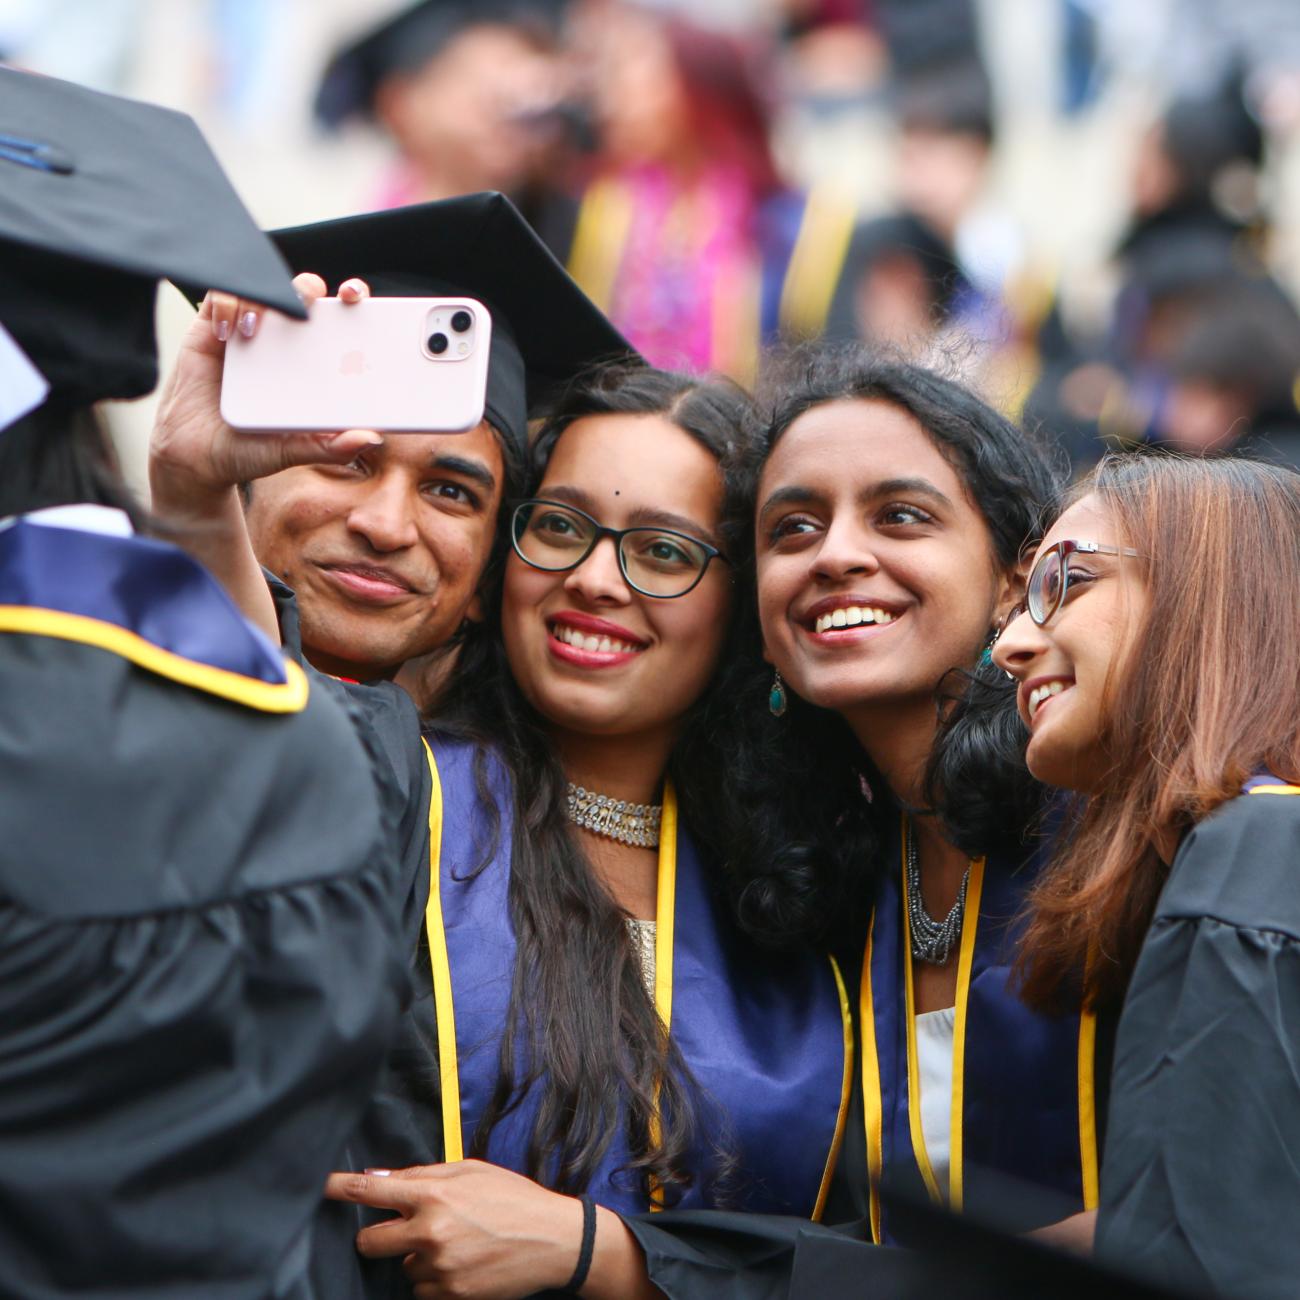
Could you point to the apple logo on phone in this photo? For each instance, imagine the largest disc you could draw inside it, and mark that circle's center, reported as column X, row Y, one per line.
column 352, row 363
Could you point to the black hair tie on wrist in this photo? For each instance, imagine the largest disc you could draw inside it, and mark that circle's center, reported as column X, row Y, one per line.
column 579, row 1278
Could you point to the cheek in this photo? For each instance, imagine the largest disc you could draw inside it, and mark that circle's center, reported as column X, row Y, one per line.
column 777, row 580
column 693, row 635
column 523, row 591
column 278, row 524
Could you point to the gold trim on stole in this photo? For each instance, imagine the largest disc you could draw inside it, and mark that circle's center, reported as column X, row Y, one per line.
column 846, row 1094
column 1088, row 1156
column 289, row 696
column 600, row 238
column 816, row 262
column 665, row 919
column 1275, row 789
column 448, row 1063
column 873, row 1106
column 965, row 962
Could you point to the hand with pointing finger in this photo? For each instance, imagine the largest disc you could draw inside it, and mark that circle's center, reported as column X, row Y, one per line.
column 472, row 1229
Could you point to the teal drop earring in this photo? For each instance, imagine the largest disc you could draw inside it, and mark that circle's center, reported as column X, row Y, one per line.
column 776, row 700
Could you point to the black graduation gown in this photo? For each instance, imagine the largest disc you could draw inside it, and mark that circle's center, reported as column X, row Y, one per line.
column 1201, row 1177
column 401, row 1124
column 197, row 954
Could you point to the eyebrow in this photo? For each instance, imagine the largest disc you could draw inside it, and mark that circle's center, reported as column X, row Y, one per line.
column 797, row 494
column 641, row 517
column 474, row 470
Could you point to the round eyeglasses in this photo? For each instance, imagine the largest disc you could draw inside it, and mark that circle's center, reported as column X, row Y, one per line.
column 658, row 562
column 1049, row 580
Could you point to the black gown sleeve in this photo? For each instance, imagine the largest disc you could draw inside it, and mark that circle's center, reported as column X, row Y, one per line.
column 1201, row 1177
column 197, row 977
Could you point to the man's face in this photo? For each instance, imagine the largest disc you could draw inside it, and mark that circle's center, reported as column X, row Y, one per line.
column 385, row 553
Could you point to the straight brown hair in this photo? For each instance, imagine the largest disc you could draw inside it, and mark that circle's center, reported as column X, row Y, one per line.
column 1205, row 694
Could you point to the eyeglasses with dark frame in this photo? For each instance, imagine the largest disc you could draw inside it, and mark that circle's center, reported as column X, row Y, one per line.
column 657, row 562
column 1049, row 580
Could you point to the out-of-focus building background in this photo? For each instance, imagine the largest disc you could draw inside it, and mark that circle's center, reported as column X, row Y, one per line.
column 1092, row 207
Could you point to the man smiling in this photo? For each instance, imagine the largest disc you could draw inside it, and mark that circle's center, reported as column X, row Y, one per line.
column 385, row 541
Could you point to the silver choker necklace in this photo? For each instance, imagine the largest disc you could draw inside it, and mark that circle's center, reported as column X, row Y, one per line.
column 636, row 824
column 932, row 941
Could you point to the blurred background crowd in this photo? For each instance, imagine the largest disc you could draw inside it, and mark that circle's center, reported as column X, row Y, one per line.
column 1088, row 208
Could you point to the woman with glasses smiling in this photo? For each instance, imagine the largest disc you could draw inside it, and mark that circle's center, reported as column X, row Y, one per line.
column 1158, row 671
column 589, row 1020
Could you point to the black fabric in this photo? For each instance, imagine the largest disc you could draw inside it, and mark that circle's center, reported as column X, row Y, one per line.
column 106, row 197
column 545, row 330
column 401, row 1124
column 198, row 976
column 1201, row 1177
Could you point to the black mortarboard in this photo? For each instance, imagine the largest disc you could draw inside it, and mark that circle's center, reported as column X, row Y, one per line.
column 406, row 42
column 100, row 198
column 545, row 330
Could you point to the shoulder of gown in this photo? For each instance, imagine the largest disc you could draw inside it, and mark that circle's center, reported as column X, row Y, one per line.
column 197, row 975
column 1202, row 1164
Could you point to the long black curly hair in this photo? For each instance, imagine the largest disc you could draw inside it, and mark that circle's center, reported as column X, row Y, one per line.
column 799, row 807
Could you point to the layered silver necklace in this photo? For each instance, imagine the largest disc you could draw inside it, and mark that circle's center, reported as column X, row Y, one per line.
column 636, row 824
column 932, row 941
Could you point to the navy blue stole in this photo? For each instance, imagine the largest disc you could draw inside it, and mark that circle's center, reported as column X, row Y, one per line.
column 767, row 1043
column 1267, row 783
column 147, row 602
column 1023, row 1102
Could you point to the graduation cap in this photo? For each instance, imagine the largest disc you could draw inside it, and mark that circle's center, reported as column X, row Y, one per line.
column 545, row 330
column 406, row 42
column 100, row 198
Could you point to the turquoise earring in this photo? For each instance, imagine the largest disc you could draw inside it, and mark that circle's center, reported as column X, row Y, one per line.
column 776, row 700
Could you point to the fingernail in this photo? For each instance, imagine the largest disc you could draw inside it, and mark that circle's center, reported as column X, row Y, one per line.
column 248, row 324
column 379, row 1173
column 223, row 330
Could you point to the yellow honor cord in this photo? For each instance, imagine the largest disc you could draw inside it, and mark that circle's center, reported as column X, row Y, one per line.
column 873, row 1106
column 448, row 1061
column 846, row 1094
column 665, row 916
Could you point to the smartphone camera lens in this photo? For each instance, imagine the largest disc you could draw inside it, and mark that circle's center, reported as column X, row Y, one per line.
column 438, row 344
column 461, row 321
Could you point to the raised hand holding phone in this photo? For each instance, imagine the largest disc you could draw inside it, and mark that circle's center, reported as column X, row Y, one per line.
column 395, row 364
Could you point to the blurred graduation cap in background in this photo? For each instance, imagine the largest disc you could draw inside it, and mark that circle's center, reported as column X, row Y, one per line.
column 545, row 330
column 406, row 42
column 100, row 198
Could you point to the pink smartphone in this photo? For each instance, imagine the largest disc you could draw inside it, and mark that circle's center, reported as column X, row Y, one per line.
column 416, row 365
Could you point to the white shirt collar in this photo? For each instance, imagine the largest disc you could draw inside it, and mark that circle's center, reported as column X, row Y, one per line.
column 84, row 518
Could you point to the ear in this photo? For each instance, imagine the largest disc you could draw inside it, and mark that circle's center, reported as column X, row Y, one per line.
column 474, row 610
column 767, row 654
column 1011, row 585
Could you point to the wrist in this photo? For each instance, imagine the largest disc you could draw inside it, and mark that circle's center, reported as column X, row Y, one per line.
column 618, row 1264
column 181, row 495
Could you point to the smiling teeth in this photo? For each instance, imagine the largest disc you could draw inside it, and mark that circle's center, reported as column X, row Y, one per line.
column 599, row 644
column 1044, row 692
column 851, row 616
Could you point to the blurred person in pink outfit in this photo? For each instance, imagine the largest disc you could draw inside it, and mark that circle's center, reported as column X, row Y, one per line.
column 686, row 235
